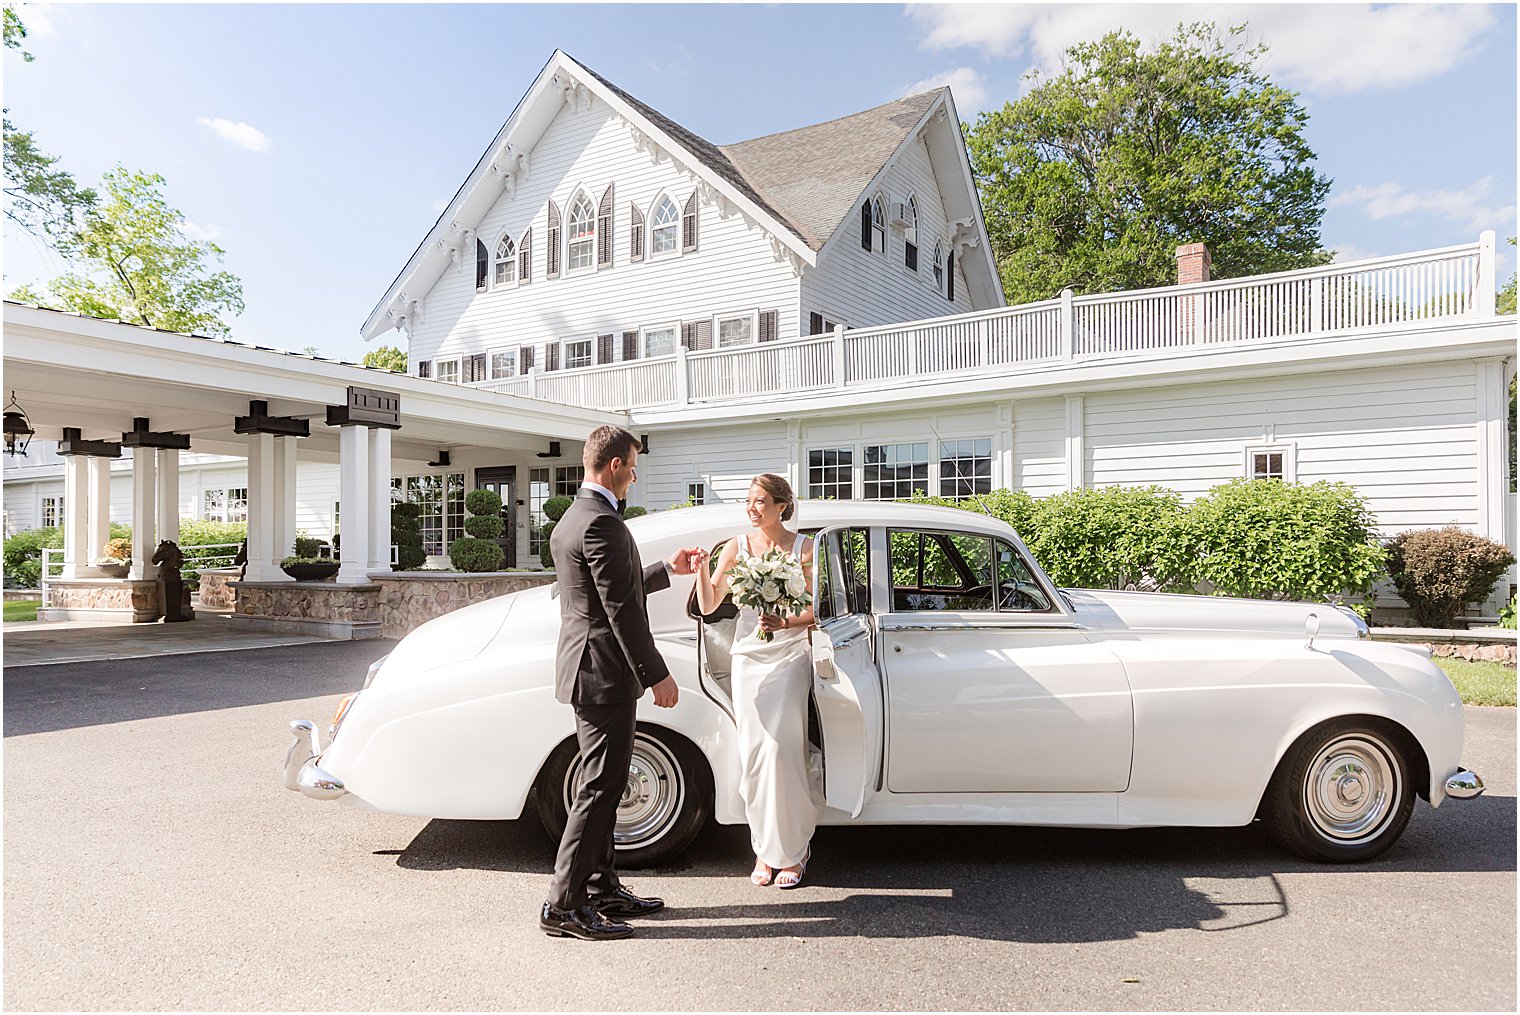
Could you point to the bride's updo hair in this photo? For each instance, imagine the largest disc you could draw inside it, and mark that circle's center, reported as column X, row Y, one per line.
column 778, row 490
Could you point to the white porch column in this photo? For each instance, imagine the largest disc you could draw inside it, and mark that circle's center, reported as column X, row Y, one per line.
column 379, row 505
column 1076, row 450
column 100, row 508
column 353, row 497
column 283, row 496
column 76, row 517
column 263, row 555
column 168, row 494
column 144, row 517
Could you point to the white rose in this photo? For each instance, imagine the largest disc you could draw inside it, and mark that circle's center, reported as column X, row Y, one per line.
column 795, row 585
column 770, row 592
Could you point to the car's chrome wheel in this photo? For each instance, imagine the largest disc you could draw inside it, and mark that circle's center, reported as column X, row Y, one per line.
column 665, row 801
column 1350, row 787
column 652, row 796
column 1342, row 791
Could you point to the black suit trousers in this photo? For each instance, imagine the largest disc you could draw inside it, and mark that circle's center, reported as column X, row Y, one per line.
column 585, row 859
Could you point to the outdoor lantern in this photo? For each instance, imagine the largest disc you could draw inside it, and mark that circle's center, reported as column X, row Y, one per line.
column 18, row 429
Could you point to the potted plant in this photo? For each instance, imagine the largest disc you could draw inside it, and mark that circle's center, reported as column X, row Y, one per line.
column 306, row 566
column 117, row 558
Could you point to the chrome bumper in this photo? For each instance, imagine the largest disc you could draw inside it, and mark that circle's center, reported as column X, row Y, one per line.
column 301, row 771
column 1464, row 785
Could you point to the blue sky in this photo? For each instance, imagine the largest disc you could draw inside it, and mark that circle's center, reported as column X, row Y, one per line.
column 317, row 144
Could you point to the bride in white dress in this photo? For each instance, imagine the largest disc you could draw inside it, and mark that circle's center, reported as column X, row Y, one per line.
column 770, row 684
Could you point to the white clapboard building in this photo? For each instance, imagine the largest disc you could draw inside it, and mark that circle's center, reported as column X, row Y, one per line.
column 822, row 303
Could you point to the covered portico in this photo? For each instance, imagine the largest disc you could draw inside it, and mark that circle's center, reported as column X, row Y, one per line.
column 107, row 390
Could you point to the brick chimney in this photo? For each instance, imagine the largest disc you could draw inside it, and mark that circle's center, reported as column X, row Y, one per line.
column 1192, row 263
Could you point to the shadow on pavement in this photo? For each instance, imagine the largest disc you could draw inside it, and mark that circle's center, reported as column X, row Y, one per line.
column 41, row 699
column 1012, row 884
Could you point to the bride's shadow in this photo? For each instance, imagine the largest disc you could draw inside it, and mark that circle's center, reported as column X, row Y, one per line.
column 1012, row 884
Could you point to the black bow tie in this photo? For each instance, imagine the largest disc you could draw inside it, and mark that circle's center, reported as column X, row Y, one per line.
column 622, row 506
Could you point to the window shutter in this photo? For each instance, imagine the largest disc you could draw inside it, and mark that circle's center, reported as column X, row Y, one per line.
column 603, row 349
column 482, row 264
column 688, row 335
column 950, row 277
column 425, row 368
column 551, row 356
column 524, row 359
column 475, row 368
column 630, row 345
column 768, row 326
column 704, row 336
column 604, row 230
column 865, row 226
column 910, row 256
column 689, row 228
column 525, row 258
column 815, row 324
column 553, row 242
column 636, row 234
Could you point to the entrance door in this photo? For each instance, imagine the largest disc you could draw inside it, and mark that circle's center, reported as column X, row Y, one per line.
column 502, row 481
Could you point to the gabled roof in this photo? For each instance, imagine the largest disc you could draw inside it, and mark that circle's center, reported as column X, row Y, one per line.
column 815, row 175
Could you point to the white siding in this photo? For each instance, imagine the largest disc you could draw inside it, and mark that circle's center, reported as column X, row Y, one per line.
column 865, row 288
column 1404, row 436
column 724, row 457
column 591, row 149
column 1039, row 446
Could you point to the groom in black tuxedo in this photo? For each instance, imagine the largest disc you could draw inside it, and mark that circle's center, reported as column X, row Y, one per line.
column 607, row 659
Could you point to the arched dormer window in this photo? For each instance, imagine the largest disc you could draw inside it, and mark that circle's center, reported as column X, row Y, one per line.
column 581, row 234
column 910, row 234
column 878, row 225
column 665, row 227
column 939, row 267
column 506, row 261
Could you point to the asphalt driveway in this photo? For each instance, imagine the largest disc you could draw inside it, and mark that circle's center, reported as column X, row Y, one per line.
column 152, row 860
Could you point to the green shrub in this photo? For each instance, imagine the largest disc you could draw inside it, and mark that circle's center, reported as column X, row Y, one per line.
column 1015, row 507
column 23, row 555
column 688, row 502
column 1439, row 571
column 484, row 526
column 308, row 547
column 555, row 507
column 544, row 556
column 1507, row 614
column 471, row 554
column 1267, row 539
column 1114, row 537
column 634, row 511
column 199, row 533
column 483, row 502
column 406, row 533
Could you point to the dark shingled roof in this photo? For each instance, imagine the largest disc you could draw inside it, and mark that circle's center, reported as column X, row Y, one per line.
column 807, row 178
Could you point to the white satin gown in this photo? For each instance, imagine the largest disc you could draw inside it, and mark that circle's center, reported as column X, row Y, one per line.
column 780, row 782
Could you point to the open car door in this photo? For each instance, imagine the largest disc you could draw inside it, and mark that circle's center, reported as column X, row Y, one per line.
column 847, row 688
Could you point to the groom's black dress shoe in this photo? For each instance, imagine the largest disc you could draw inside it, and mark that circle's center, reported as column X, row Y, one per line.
column 621, row 902
column 585, row 923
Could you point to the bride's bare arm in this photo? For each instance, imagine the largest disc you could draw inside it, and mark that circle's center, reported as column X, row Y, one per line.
column 709, row 592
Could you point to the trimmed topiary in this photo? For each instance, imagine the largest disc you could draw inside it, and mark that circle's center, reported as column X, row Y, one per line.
column 482, row 502
column 544, row 556
column 476, row 552
column 634, row 512
column 555, row 507
column 484, row 526
column 475, row 555
column 1439, row 571
column 406, row 533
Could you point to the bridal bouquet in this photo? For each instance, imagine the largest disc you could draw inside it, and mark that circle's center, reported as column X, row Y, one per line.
column 772, row 584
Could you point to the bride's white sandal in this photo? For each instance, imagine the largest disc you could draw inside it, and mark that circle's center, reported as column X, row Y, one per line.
column 791, row 879
column 761, row 875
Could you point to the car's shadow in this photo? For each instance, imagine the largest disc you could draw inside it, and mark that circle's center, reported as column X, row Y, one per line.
column 1010, row 884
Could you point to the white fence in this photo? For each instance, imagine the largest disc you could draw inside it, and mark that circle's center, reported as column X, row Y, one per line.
column 1409, row 290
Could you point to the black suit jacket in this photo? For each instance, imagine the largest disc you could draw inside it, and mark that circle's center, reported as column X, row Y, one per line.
column 606, row 653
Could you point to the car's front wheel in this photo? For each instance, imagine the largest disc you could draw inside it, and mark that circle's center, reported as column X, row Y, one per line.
column 1342, row 793
column 667, row 799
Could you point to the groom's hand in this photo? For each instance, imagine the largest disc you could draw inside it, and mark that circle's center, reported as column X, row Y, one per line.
column 686, row 561
column 666, row 692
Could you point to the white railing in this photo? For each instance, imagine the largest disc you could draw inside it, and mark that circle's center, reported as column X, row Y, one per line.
column 1408, row 290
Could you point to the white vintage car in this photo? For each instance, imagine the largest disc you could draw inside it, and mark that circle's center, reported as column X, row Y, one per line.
column 953, row 683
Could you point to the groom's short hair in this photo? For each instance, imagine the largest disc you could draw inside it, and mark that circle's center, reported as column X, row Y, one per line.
column 605, row 444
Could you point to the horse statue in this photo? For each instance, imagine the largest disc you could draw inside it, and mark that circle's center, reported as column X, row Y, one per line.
column 176, row 597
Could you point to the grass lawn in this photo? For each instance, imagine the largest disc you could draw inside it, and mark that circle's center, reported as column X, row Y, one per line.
column 20, row 609
column 1478, row 683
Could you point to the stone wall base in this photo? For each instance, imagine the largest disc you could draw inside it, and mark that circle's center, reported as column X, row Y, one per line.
column 337, row 630
column 113, row 600
column 321, row 609
column 215, row 591
column 1474, row 653
column 409, row 599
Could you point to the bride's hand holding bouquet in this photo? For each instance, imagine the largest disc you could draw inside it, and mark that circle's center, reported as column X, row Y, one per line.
column 772, row 584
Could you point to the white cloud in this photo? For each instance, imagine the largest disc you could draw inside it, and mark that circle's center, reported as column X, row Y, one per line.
column 1345, row 252
column 207, row 233
column 965, row 84
column 1325, row 48
column 239, row 133
column 1472, row 206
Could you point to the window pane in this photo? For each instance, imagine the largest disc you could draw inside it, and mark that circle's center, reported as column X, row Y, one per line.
column 665, row 222
column 503, row 364
column 965, row 467
column 567, row 480
column 237, row 504
column 735, row 331
column 831, row 474
column 1017, row 590
column 941, row 571
column 895, row 471
column 455, row 508
column 578, row 354
column 538, row 492
column 660, row 342
column 582, row 232
column 448, row 370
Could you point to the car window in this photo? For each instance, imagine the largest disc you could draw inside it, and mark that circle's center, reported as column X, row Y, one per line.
column 1018, row 592
column 942, row 571
column 843, row 564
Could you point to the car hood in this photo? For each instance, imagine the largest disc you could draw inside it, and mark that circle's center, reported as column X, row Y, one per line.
column 1138, row 612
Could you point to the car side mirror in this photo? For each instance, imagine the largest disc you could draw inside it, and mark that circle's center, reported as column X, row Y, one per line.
column 1311, row 628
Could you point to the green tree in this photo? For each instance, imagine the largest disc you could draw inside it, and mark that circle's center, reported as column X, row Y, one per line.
column 15, row 32
column 387, row 357
column 1095, row 176
column 1504, row 299
column 134, row 262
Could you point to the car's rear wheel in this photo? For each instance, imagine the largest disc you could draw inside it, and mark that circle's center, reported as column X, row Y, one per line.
column 1342, row 793
column 665, row 803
